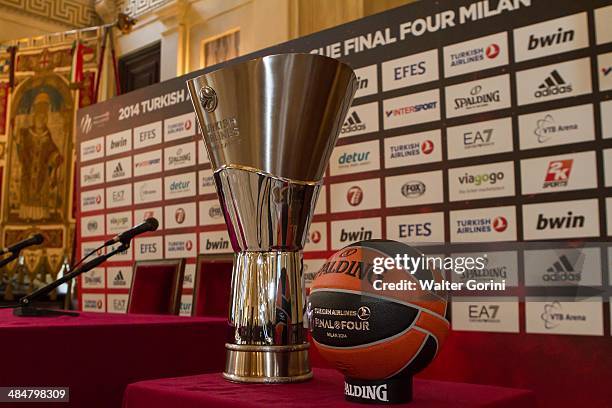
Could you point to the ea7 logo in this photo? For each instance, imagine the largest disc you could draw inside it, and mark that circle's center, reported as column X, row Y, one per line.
column 482, row 312
column 558, row 173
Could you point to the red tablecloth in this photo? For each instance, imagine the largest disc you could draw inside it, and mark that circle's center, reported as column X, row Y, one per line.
column 97, row 354
column 325, row 390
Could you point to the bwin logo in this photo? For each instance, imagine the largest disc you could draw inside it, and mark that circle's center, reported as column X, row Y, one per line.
column 86, row 124
column 371, row 392
column 352, row 123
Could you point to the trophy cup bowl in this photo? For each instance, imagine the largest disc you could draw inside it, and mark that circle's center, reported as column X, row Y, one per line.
column 269, row 126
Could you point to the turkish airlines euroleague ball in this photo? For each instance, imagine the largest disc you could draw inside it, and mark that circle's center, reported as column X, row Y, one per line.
column 377, row 323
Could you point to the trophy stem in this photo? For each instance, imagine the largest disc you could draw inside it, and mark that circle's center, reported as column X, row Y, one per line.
column 266, row 312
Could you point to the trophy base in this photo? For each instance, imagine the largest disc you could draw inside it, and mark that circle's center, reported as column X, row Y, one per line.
column 247, row 363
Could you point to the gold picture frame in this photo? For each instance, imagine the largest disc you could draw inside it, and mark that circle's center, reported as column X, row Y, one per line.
column 220, row 48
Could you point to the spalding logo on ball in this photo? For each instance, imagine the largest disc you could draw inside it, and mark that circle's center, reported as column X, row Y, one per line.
column 370, row 326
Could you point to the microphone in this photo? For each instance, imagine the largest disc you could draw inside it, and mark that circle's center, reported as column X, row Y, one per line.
column 150, row 224
column 35, row 239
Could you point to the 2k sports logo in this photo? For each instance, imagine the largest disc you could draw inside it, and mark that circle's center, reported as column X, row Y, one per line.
column 558, row 173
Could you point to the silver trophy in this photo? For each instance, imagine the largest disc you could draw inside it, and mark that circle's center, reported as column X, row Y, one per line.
column 269, row 126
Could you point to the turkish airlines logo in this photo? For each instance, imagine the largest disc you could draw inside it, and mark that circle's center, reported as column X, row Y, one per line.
column 500, row 224
column 558, row 173
column 427, row 147
column 492, row 51
column 315, row 237
column 354, row 196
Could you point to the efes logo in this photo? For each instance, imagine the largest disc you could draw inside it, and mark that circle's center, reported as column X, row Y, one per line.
column 414, row 230
column 413, row 189
column 553, row 84
column 558, row 173
column 354, row 196
column 477, row 99
column 353, row 123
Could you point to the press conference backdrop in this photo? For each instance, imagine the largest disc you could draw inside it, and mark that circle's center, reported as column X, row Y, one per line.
column 475, row 122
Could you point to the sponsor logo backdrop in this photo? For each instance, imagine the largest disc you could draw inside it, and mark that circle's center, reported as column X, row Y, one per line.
column 491, row 125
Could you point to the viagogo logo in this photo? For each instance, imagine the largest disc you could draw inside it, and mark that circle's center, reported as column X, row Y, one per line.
column 479, row 179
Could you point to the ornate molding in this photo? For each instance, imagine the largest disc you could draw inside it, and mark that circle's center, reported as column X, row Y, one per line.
column 135, row 8
column 71, row 13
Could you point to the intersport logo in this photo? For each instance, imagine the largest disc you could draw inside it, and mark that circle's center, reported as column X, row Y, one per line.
column 406, row 110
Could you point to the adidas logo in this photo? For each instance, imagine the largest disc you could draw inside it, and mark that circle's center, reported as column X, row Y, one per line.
column 554, row 84
column 119, row 280
column 562, row 270
column 118, row 172
column 352, row 123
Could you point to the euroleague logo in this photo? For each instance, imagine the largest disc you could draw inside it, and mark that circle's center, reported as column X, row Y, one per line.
column 492, row 51
column 500, row 224
column 354, row 196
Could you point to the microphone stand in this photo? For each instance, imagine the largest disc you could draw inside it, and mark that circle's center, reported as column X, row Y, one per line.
column 26, row 309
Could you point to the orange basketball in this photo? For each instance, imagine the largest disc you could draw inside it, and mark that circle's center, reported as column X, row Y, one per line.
column 372, row 332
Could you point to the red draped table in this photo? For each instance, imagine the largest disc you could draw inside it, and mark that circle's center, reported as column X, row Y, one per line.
column 98, row 354
column 325, row 390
